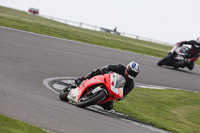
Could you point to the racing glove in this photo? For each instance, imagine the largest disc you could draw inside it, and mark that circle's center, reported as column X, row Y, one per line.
column 179, row 44
column 74, row 85
column 104, row 70
column 78, row 81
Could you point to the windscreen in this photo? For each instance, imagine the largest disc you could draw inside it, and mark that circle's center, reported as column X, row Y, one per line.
column 185, row 49
column 120, row 81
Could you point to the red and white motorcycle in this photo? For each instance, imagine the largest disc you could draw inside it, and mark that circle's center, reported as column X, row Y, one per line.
column 97, row 90
column 175, row 56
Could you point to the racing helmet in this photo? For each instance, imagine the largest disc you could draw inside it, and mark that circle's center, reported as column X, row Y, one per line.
column 198, row 40
column 132, row 70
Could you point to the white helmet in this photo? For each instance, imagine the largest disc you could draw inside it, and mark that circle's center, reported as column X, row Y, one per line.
column 198, row 40
column 132, row 70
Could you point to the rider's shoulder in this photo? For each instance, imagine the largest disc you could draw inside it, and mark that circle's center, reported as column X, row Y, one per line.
column 193, row 41
column 120, row 65
column 116, row 65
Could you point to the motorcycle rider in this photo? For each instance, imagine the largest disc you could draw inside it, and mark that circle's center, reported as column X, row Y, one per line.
column 129, row 72
column 195, row 53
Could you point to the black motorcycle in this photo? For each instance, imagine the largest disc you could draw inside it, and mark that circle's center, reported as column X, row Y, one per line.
column 176, row 57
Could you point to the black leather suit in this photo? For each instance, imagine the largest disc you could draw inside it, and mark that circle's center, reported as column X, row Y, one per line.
column 195, row 52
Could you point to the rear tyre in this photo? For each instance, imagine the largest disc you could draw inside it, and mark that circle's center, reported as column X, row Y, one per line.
column 92, row 99
column 164, row 60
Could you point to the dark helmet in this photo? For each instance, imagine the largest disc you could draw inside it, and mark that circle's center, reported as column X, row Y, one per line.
column 132, row 70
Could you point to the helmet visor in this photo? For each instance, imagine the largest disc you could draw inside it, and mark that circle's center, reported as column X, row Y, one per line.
column 131, row 74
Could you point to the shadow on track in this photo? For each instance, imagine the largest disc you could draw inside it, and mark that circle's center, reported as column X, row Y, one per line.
column 181, row 70
column 112, row 113
column 119, row 116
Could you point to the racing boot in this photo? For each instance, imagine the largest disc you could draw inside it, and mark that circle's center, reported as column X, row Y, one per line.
column 107, row 105
column 190, row 66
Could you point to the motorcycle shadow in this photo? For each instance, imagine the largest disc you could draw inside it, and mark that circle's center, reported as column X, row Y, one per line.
column 181, row 70
column 112, row 113
column 120, row 116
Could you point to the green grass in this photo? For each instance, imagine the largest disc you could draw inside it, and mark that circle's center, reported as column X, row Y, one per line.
column 173, row 110
column 10, row 125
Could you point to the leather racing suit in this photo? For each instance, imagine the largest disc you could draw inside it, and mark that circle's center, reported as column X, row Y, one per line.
column 195, row 53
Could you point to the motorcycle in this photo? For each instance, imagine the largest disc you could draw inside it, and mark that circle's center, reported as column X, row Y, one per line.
column 95, row 91
column 175, row 57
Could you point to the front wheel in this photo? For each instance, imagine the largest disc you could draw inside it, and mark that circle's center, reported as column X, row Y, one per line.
column 91, row 99
column 164, row 60
column 64, row 93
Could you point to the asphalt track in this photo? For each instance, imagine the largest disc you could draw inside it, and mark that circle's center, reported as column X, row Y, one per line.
column 27, row 59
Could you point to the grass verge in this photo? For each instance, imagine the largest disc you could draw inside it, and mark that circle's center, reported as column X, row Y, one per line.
column 173, row 110
column 10, row 125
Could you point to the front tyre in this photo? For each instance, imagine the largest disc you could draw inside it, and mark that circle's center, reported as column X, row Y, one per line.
column 164, row 60
column 92, row 99
column 63, row 94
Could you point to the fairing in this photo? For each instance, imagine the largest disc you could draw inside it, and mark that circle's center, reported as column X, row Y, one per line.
column 113, row 83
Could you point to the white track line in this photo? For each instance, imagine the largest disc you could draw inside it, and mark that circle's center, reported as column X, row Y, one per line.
column 140, row 85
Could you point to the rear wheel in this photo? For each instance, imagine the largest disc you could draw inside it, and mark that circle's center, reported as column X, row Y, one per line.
column 164, row 60
column 91, row 99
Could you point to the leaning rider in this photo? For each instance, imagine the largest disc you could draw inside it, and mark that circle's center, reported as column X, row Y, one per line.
column 195, row 53
column 129, row 72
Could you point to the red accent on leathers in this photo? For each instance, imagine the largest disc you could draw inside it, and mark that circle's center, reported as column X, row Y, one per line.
column 192, row 51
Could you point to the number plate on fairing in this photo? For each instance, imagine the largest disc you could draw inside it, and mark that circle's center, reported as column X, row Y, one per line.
column 117, row 82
